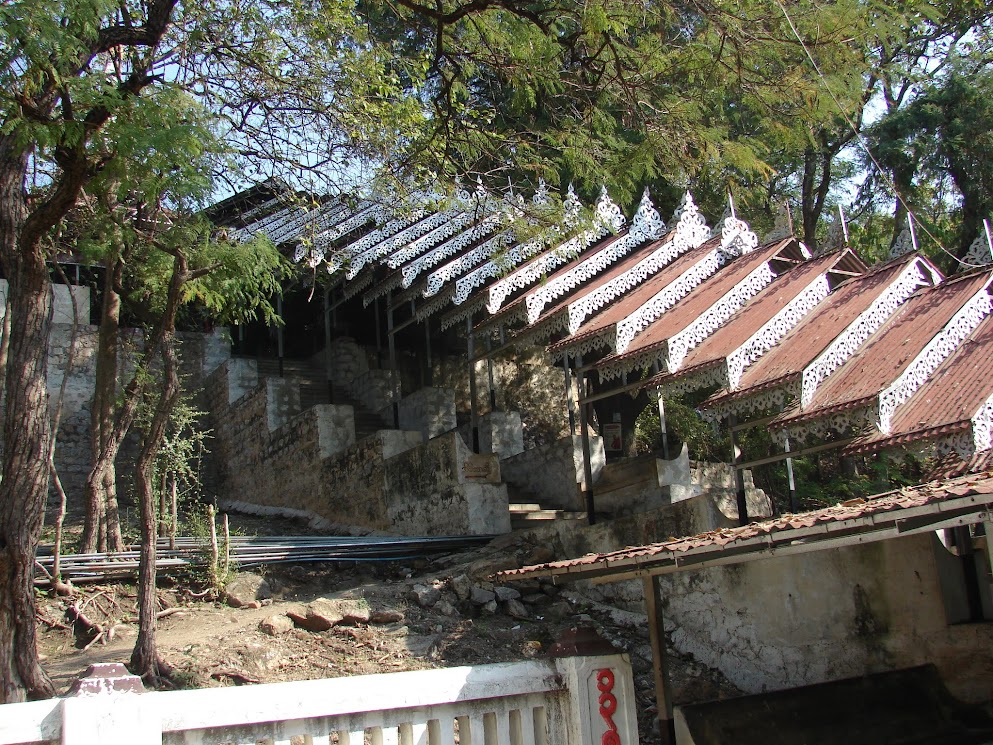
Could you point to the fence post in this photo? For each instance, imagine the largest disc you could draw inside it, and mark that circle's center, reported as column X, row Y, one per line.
column 108, row 706
column 601, row 697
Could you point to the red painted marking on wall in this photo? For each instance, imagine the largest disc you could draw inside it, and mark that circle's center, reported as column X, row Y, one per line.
column 608, row 706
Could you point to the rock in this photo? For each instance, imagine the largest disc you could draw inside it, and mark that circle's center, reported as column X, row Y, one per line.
column 503, row 594
column 536, row 598
column 540, row 555
column 422, row 646
column 276, row 625
column 551, row 590
column 490, row 607
column 485, row 568
column 558, row 611
column 482, row 597
column 385, row 615
column 324, row 613
column 462, row 587
column 446, row 608
column 516, row 609
column 425, row 595
column 246, row 588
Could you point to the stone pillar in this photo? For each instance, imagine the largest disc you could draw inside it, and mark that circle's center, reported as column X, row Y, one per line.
column 601, row 700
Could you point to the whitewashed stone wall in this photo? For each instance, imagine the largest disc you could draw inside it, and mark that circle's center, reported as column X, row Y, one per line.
column 553, row 473
column 430, row 411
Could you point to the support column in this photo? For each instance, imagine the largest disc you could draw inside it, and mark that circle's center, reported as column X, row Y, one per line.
column 473, row 412
column 427, row 349
column 489, row 373
column 794, row 505
column 279, row 334
column 327, row 344
column 379, row 335
column 662, row 425
column 568, row 395
column 739, row 477
column 584, row 430
column 660, row 663
column 394, row 377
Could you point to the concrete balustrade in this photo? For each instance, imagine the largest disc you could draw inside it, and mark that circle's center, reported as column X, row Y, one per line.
column 565, row 701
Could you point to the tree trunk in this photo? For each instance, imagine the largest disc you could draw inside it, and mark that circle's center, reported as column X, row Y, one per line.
column 144, row 658
column 26, row 435
column 102, row 529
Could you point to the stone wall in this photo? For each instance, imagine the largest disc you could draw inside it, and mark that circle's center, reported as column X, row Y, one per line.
column 430, row 411
column 553, row 473
column 274, row 458
column 795, row 620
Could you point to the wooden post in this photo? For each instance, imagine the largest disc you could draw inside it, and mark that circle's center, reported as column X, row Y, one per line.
column 584, row 432
column 473, row 412
column 660, row 665
column 739, row 476
column 568, row 395
column 394, row 376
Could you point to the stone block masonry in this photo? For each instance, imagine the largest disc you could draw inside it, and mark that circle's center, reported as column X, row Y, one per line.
column 270, row 456
column 553, row 473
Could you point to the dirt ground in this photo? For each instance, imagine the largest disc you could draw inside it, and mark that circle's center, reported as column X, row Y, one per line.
column 422, row 618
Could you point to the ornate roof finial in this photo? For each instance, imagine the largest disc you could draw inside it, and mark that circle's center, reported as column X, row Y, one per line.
column 607, row 213
column 540, row 194
column 783, row 227
column 980, row 251
column 903, row 245
column 647, row 222
column 571, row 207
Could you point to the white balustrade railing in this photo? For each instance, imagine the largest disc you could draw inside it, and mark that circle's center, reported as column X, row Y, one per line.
column 564, row 701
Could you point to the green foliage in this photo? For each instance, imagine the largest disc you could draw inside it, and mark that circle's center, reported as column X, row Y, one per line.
column 683, row 425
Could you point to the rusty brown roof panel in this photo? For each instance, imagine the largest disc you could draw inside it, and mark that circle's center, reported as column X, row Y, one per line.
column 761, row 309
column 702, row 297
column 815, row 332
column 946, row 403
column 892, row 348
column 970, row 496
column 634, row 298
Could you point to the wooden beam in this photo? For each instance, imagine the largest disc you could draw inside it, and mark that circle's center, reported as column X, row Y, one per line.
column 660, row 664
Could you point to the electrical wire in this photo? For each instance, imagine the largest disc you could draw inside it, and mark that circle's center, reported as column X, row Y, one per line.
column 861, row 142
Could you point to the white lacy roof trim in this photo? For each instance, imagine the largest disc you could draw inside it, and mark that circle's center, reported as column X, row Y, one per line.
column 431, row 306
column 599, row 340
column 783, row 226
column 370, row 213
column 710, row 376
column 526, row 276
column 351, row 289
column 607, row 219
column 450, row 247
column 848, row 342
column 540, row 332
column 427, row 241
column 437, row 279
column 903, row 245
column 466, row 310
column 264, row 207
column 676, row 290
column 332, row 227
column 495, row 267
column 716, row 315
column 768, row 400
column 259, row 226
column 589, row 303
column 979, row 253
column 405, row 236
column 775, row 329
column 611, row 370
column 387, row 285
column 312, row 220
column 928, row 359
column 982, row 427
column 359, row 250
column 851, row 421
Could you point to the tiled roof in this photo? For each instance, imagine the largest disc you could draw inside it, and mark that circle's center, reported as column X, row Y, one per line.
column 918, row 509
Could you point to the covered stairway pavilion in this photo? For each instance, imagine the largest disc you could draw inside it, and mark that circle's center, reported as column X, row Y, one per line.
column 825, row 351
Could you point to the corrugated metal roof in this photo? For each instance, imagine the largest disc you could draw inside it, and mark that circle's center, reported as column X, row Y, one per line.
column 890, row 350
column 815, row 333
column 946, row 403
column 963, row 500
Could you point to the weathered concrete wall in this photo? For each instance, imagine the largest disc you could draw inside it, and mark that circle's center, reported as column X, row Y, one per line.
column 788, row 621
column 524, row 382
column 553, row 473
column 430, row 411
column 635, row 485
column 270, row 456
column 439, row 489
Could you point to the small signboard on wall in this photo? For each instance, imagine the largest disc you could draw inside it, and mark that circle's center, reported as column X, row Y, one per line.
column 613, row 439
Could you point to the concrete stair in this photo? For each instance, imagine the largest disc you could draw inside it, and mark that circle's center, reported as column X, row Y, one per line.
column 526, row 512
